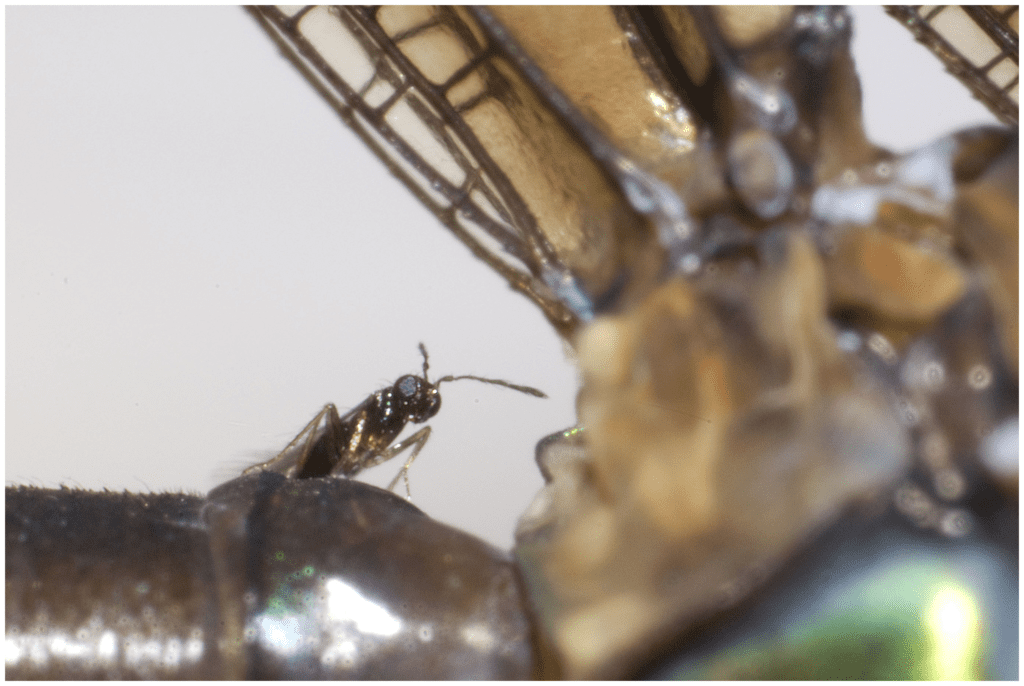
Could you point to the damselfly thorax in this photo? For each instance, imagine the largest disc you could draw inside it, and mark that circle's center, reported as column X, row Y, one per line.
column 749, row 284
column 798, row 354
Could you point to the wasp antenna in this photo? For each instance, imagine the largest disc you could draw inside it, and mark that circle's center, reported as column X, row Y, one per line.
column 426, row 365
column 497, row 382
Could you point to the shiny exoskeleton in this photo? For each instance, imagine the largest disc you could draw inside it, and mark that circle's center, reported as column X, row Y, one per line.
column 266, row 577
column 761, row 301
column 127, row 586
column 725, row 512
column 333, row 445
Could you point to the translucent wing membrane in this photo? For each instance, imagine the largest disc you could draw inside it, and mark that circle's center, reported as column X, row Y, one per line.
column 397, row 78
column 798, row 356
column 456, row 121
column 978, row 44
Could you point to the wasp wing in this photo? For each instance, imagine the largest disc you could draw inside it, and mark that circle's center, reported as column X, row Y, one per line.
column 321, row 442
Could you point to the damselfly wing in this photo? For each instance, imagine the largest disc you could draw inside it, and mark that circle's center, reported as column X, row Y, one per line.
column 978, row 44
column 72, row 341
column 745, row 216
column 584, row 273
column 208, row 285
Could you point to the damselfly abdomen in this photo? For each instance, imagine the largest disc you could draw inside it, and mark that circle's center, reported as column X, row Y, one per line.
column 777, row 322
column 266, row 577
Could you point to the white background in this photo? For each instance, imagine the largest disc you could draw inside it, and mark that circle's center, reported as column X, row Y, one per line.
column 199, row 255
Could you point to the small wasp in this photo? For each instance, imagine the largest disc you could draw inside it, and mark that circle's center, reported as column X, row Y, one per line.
column 333, row 444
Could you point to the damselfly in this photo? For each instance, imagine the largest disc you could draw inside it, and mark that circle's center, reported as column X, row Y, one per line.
column 118, row 328
column 213, row 305
column 826, row 26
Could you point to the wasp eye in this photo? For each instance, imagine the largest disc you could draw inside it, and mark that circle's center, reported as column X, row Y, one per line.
column 408, row 386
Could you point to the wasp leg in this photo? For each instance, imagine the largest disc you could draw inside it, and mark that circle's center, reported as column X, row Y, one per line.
column 292, row 459
column 416, row 441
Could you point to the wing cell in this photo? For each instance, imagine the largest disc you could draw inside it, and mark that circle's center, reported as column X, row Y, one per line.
column 451, row 114
column 980, row 45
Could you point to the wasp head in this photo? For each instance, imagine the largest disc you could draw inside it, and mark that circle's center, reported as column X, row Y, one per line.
column 419, row 399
